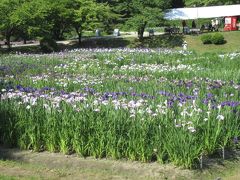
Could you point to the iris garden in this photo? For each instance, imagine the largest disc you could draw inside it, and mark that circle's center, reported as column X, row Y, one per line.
column 139, row 104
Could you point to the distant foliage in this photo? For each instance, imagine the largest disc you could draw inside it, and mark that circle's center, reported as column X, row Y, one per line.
column 177, row 3
column 192, row 3
column 206, row 39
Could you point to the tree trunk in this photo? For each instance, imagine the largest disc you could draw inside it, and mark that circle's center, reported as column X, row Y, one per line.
column 140, row 34
column 61, row 35
column 56, row 34
column 8, row 36
column 79, row 32
column 141, row 31
column 79, row 38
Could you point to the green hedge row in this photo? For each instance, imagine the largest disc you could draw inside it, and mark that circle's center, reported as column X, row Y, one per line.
column 215, row 38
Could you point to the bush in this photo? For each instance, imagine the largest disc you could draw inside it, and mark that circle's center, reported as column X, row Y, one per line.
column 48, row 45
column 217, row 38
column 206, row 39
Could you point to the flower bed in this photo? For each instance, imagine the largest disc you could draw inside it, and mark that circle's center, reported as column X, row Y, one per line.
column 139, row 104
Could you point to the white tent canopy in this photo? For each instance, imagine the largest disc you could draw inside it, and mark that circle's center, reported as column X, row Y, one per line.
column 203, row 12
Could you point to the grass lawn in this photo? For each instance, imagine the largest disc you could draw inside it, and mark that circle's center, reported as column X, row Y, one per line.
column 194, row 42
column 44, row 165
column 232, row 44
column 161, row 41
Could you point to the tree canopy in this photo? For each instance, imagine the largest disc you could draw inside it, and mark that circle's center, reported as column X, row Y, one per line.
column 145, row 13
column 40, row 18
column 210, row 2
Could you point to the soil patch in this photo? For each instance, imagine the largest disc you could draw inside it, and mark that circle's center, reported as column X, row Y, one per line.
column 46, row 165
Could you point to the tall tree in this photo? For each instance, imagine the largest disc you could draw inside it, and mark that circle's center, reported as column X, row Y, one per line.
column 30, row 18
column 59, row 16
column 210, row 2
column 7, row 27
column 24, row 17
column 88, row 15
column 119, row 12
column 123, row 8
column 177, row 3
column 146, row 13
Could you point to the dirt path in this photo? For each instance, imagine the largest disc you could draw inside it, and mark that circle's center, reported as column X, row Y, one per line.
column 56, row 165
column 45, row 165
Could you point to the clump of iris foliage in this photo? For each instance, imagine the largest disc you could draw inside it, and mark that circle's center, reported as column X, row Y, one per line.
column 139, row 104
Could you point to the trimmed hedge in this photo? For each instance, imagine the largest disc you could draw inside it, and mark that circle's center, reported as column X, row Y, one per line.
column 215, row 38
column 206, row 39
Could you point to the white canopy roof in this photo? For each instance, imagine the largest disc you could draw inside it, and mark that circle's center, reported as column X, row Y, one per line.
column 203, row 12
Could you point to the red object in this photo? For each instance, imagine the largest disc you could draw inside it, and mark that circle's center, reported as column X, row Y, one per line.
column 230, row 23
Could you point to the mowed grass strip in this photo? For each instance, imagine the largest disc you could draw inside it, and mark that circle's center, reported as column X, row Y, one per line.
column 232, row 43
column 44, row 165
column 160, row 41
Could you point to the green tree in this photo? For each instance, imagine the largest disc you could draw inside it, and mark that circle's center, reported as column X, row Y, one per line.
column 24, row 17
column 122, row 10
column 146, row 13
column 88, row 15
column 60, row 17
column 7, row 27
column 197, row 3
column 30, row 18
column 177, row 3
column 45, row 18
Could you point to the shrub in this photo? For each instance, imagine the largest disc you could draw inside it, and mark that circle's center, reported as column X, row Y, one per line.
column 206, row 39
column 217, row 38
column 48, row 45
